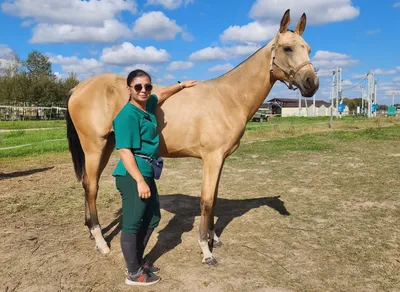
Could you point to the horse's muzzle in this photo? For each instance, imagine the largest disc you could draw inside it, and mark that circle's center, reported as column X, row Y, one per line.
column 309, row 84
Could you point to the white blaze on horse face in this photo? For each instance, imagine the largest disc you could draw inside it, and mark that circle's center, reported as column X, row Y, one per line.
column 101, row 244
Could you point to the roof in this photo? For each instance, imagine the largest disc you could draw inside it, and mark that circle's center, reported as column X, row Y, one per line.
column 294, row 102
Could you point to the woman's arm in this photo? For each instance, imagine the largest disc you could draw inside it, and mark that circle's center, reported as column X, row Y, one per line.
column 166, row 92
column 131, row 166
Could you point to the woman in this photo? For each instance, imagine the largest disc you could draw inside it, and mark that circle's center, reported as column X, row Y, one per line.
column 136, row 133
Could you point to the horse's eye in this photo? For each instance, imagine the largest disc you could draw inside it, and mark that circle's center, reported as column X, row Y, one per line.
column 287, row 49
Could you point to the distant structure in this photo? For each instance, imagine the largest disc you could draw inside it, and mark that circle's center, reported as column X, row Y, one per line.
column 290, row 107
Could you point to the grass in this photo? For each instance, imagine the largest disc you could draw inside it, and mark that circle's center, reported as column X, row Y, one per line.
column 42, row 141
column 15, row 125
column 317, row 141
column 340, row 187
column 279, row 135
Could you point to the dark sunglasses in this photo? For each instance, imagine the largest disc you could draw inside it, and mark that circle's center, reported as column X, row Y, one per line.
column 138, row 87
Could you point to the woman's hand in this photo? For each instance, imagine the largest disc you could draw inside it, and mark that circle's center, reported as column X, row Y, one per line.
column 188, row 83
column 143, row 190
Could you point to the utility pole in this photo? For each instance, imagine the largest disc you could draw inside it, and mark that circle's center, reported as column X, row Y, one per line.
column 371, row 92
column 332, row 97
column 313, row 99
column 337, row 91
column 299, row 103
column 393, row 99
column 375, row 99
column 362, row 100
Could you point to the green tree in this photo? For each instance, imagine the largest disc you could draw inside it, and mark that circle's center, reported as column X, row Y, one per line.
column 38, row 64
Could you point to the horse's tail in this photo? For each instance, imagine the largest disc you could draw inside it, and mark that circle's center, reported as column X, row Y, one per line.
column 75, row 147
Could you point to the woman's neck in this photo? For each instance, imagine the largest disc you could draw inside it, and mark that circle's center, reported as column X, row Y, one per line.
column 140, row 105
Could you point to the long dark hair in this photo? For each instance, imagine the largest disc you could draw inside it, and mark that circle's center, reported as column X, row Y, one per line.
column 137, row 73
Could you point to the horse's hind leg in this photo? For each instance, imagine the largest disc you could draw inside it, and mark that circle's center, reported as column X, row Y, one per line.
column 95, row 161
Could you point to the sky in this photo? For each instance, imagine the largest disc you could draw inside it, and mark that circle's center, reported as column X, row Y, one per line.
column 203, row 39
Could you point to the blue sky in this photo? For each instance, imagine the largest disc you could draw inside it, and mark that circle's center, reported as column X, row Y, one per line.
column 202, row 39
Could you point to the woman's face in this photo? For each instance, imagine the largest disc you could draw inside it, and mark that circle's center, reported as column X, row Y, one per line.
column 140, row 88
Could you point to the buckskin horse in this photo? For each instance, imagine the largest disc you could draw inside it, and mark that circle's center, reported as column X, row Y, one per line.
column 206, row 121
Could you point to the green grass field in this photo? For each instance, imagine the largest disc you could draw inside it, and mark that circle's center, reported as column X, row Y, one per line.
column 15, row 125
column 281, row 134
column 32, row 142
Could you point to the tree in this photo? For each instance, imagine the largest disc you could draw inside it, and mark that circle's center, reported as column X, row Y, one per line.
column 351, row 103
column 38, row 64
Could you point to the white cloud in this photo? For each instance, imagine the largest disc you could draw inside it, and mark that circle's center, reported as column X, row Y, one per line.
column 327, row 61
column 84, row 67
column 218, row 53
column 324, row 72
column 223, row 68
column 187, row 36
column 179, row 65
column 347, row 82
column 111, row 31
column 396, row 79
column 156, row 25
column 384, row 72
column 358, row 76
column 8, row 60
column 395, row 92
column 169, row 4
column 326, row 55
column 74, row 12
column 375, row 31
column 169, row 76
column 128, row 54
column 144, row 67
column 388, row 88
column 252, row 32
column 76, row 21
column 398, row 68
column 318, row 12
column 397, row 4
column 6, row 52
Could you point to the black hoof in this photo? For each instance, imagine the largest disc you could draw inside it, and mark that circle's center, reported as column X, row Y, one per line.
column 218, row 244
column 211, row 262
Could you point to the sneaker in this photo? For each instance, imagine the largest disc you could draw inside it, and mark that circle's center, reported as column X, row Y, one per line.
column 149, row 267
column 141, row 278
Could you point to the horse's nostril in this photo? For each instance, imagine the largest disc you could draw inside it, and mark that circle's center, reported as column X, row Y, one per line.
column 308, row 82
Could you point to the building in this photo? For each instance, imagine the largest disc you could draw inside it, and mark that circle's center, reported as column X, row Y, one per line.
column 289, row 107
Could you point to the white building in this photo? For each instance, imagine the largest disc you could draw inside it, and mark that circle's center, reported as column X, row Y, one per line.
column 289, row 107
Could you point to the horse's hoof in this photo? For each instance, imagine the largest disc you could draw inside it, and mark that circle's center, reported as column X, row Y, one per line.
column 103, row 250
column 217, row 244
column 210, row 261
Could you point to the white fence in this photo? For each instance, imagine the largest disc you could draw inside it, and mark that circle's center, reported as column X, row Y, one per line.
column 15, row 113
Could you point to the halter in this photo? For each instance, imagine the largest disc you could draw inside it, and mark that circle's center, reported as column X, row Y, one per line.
column 290, row 71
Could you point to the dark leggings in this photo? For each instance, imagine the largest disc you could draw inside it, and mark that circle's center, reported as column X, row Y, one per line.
column 139, row 218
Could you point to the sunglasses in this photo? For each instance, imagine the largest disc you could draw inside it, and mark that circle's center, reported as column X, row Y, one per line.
column 139, row 87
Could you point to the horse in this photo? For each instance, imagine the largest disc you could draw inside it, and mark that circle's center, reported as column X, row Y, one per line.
column 206, row 121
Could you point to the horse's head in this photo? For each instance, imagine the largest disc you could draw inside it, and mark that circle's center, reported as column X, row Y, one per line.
column 290, row 60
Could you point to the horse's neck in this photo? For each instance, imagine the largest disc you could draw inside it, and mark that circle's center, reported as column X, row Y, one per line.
column 249, row 83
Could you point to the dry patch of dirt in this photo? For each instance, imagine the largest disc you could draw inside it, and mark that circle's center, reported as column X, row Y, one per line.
column 320, row 221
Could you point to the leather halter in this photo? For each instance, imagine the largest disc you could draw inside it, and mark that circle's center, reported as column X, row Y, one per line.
column 290, row 71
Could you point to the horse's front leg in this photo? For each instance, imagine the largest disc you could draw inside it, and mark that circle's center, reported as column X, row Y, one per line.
column 212, row 167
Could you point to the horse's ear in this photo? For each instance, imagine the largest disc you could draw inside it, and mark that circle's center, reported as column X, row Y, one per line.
column 285, row 22
column 301, row 25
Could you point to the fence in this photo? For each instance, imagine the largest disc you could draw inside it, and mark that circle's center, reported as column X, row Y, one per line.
column 21, row 113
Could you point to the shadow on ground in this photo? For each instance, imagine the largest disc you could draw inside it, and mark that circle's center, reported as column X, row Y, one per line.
column 23, row 173
column 186, row 208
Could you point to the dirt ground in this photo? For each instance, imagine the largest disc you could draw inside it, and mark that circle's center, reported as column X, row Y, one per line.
column 301, row 221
